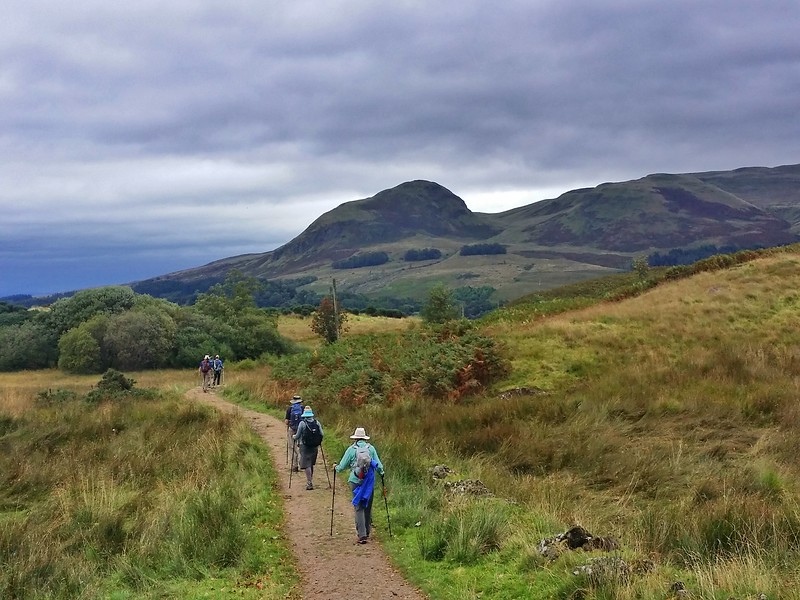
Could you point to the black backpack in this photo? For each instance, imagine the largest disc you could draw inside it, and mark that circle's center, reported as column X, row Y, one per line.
column 312, row 434
column 294, row 415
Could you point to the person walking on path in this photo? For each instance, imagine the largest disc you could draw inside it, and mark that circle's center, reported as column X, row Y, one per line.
column 309, row 435
column 362, row 460
column 205, row 371
column 217, row 365
column 292, row 420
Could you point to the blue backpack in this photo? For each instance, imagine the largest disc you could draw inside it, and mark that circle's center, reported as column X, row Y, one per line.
column 294, row 415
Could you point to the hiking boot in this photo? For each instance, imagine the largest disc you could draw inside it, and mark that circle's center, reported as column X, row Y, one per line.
column 362, row 540
column 309, row 486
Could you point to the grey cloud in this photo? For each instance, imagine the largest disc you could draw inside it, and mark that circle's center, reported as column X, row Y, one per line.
column 109, row 111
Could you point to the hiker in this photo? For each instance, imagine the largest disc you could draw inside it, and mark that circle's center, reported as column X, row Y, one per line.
column 292, row 420
column 309, row 435
column 217, row 365
column 205, row 371
column 362, row 460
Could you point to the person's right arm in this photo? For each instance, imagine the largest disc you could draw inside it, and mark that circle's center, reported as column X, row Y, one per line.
column 347, row 460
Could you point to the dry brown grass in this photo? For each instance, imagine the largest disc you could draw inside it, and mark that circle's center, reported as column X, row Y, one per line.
column 298, row 329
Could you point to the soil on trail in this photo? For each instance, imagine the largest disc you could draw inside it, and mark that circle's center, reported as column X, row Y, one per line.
column 332, row 567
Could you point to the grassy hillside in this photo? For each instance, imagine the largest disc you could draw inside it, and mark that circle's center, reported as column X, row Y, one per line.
column 668, row 421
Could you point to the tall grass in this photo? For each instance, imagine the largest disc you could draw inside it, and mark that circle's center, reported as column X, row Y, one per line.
column 667, row 420
column 134, row 498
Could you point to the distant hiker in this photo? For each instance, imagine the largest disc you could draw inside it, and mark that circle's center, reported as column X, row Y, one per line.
column 292, row 420
column 205, row 371
column 217, row 366
column 362, row 460
column 309, row 435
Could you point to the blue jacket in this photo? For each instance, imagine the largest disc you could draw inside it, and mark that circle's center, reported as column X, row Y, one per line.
column 363, row 492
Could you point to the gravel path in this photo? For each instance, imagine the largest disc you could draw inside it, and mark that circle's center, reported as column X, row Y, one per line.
column 332, row 567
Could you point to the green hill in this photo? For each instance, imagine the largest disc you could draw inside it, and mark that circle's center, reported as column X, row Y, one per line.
column 582, row 234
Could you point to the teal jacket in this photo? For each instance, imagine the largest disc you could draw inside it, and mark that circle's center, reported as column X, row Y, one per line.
column 349, row 460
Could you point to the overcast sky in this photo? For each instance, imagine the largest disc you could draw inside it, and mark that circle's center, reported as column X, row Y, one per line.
column 140, row 138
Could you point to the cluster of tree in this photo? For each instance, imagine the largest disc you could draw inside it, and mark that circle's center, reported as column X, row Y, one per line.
column 12, row 314
column 444, row 304
column 423, row 254
column 475, row 301
column 28, row 301
column 476, row 249
column 687, row 256
column 114, row 327
column 371, row 311
column 364, row 259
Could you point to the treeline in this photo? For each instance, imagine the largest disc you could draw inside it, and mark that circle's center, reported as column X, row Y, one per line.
column 416, row 254
column 480, row 249
column 364, row 259
column 114, row 327
column 687, row 256
column 12, row 314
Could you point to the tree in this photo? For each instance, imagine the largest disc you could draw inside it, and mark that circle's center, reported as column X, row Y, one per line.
column 71, row 312
column 141, row 339
column 641, row 266
column 326, row 323
column 439, row 307
column 79, row 349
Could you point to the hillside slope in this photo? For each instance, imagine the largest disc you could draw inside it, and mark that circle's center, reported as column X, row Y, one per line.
column 667, row 421
column 581, row 234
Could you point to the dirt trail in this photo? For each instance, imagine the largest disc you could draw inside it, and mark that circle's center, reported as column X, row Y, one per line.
column 332, row 567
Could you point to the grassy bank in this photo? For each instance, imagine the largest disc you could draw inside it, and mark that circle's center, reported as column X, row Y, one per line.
column 140, row 496
column 667, row 420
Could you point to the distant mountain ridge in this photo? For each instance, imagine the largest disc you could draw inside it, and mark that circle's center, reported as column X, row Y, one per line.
column 582, row 233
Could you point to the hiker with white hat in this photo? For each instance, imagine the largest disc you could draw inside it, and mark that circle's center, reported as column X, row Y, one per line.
column 362, row 460
column 309, row 435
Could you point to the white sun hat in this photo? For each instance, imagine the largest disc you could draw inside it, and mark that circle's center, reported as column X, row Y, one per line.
column 359, row 434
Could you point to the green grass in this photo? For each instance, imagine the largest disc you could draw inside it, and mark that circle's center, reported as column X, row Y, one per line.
column 665, row 417
column 138, row 498
column 664, row 414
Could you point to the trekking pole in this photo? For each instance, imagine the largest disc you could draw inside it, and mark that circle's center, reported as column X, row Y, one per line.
column 333, row 499
column 287, row 444
column 291, row 468
column 325, row 464
column 386, row 504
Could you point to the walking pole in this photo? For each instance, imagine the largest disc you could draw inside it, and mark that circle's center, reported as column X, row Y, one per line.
column 287, row 444
column 325, row 464
column 291, row 468
column 333, row 499
column 386, row 504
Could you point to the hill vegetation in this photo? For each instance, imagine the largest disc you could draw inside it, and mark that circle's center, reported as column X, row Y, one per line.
column 109, row 327
column 660, row 413
column 656, row 409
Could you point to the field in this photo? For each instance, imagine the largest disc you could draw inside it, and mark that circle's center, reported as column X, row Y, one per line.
column 667, row 421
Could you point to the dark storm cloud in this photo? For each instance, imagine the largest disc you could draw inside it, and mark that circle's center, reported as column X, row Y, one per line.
column 205, row 129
